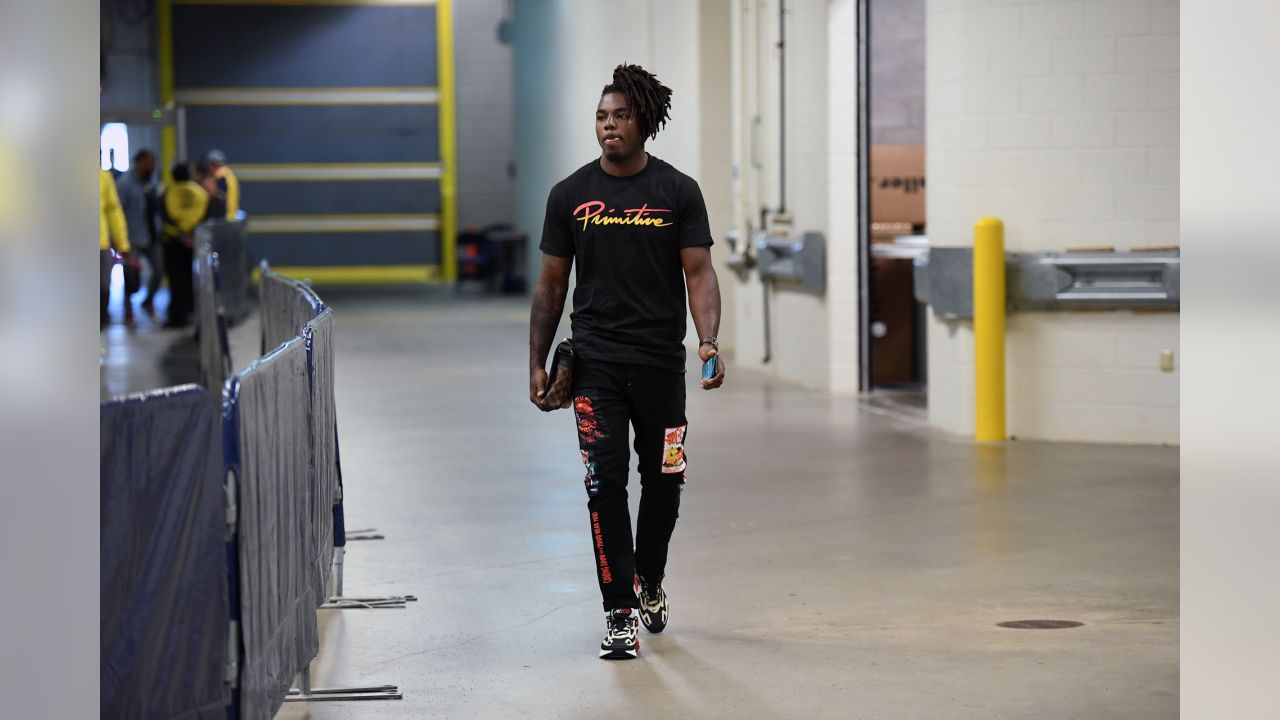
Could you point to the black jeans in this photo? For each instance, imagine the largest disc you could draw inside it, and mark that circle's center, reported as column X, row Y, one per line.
column 104, row 284
column 177, row 259
column 607, row 398
column 155, row 258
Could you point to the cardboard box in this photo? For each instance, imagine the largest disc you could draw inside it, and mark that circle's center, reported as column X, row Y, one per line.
column 897, row 185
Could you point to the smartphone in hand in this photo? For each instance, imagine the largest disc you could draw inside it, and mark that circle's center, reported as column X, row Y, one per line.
column 710, row 367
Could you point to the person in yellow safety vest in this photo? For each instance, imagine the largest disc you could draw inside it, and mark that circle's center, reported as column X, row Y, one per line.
column 217, row 200
column 184, row 206
column 112, row 233
column 228, row 185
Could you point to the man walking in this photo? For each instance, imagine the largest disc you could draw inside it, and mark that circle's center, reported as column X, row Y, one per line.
column 638, row 231
column 138, row 199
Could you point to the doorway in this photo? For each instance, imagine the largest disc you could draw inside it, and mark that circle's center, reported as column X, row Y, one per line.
column 894, row 233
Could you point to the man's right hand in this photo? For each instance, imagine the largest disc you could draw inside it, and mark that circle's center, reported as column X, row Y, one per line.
column 538, row 387
column 544, row 315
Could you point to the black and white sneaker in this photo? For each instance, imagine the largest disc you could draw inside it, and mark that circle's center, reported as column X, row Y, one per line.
column 621, row 641
column 653, row 605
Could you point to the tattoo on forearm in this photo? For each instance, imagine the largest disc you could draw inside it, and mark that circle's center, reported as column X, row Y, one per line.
column 548, row 305
column 704, row 304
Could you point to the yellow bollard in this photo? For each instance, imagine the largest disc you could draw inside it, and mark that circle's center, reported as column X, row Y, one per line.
column 988, row 327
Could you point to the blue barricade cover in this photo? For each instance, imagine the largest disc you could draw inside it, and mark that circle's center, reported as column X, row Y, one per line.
column 270, row 407
column 163, row 595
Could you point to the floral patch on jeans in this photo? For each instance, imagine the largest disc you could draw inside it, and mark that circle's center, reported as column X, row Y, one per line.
column 673, row 450
column 592, row 482
column 589, row 430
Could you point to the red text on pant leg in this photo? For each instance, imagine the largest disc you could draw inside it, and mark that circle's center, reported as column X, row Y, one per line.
column 606, row 575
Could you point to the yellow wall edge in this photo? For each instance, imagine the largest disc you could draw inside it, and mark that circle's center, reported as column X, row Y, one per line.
column 164, row 47
column 361, row 274
column 390, row 3
column 448, row 140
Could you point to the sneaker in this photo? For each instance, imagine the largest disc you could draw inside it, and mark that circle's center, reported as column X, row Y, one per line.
column 653, row 605
column 620, row 640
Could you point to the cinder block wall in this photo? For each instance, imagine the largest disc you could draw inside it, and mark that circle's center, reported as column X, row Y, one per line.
column 813, row 339
column 486, row 115
column 897, row 71
column 1061, row 118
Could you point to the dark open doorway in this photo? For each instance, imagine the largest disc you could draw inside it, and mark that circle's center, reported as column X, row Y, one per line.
column 891, row 139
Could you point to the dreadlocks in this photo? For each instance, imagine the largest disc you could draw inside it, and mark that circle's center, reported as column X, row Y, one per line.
column 650, row 100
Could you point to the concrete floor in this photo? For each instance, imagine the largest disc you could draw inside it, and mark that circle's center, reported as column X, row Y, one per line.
column 146, row 355
column 833, row 559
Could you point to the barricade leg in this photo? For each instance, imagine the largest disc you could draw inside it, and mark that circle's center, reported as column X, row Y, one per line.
column 303, row 692
column 338, row 601
column 335, row 580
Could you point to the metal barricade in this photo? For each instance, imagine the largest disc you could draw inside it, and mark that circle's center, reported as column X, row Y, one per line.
column 215, row 350
column 163, row 596
column 230, row 240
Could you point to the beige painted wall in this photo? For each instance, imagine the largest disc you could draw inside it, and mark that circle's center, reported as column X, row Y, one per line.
column 715, row 172
column 842, row 193
column 814, row 340
column 1062, row 119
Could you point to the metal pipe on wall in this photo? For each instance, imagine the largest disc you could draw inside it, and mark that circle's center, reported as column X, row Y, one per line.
column 782, row 164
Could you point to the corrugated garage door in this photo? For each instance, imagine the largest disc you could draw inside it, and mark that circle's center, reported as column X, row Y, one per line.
column 336, row 116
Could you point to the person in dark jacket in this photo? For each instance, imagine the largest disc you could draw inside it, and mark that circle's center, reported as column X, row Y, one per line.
column 138, row 199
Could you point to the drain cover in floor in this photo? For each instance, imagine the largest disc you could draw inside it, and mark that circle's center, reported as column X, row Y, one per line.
column 1040, row 624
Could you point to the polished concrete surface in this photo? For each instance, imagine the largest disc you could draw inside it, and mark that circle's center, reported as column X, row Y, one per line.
column 833, row 559
column 144, row 355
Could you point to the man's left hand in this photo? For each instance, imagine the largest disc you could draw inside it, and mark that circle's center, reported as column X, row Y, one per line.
column 705, row 352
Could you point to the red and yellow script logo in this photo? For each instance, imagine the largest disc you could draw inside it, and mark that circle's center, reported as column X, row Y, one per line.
column 592, row 212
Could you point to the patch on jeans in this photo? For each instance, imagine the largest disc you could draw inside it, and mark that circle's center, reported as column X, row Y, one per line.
column 673, row 450
column 592, row 482
column 590, row 429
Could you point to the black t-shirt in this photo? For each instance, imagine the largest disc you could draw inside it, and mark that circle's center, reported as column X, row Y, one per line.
column 625, row 235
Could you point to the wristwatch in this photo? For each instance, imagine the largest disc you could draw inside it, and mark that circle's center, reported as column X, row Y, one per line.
column 710, row 341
